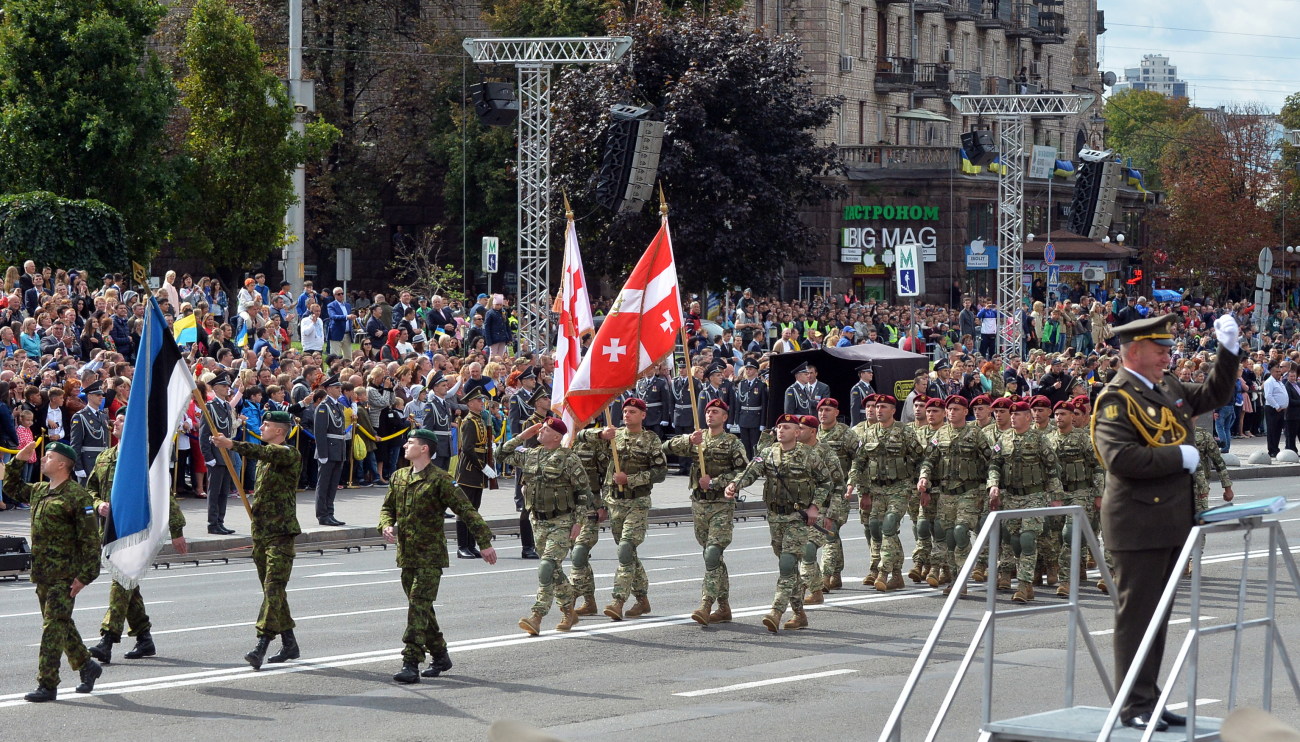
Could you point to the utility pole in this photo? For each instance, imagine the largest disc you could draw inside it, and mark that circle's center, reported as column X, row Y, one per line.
column 301, row 96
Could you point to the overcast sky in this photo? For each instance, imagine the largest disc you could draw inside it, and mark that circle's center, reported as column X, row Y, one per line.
column 1251, row 54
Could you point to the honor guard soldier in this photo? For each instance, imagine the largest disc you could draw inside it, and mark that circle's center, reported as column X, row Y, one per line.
column 1082, row 479
column 1025, row 469
column 126, row 606
column 412, row 515
column 884, row 476
column 793, row 480
column 956, row 464
column 439, row 420
column 713, row 387
column 654, row 390
column 475, row 469
column 843, row 443
column 594, row 453
column 90, row 431
column 713, row 513
column 683, row 403
column 929, row 552
column 220, row 420
column 275, row 526
column 810, row 568
column 65, row 558
column 332, row 449
column 556, row 492
column 1142, row 431
column 860, row 391
column 521, row 418
column 749, row 400
column 799, row 396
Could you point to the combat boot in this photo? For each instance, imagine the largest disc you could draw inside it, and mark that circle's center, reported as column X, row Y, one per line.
column 1101, row 585
column 103, row 651
column 89, row 673
column 979, row 574
column 798, row 621
column 1053, row 575
column 882, row 582
column 441, row 663
column 640, row 607
column 258, row 654
column 945, row 576
column 144, row 647
column 895, row 581
column 932, row 577
column 837, row 581
column 773, row 621
column 288, row 648
column 870, row 579
column 410, row 673
column 532, row 624
column 701, row 614
column 569, row 620
column 615, row 610
column 41, row 695
column 1025, row 593
column 952, row 586
column 588, row 607
column 1004, row 582
column 917, row 574
column 1063, row 590
column 722, row 614
column 815, row 598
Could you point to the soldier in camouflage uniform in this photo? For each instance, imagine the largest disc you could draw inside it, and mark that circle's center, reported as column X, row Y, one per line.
column 1025, row 467
column 1083, row 421
column 555, row 491
column 412, row 517
column 1049, row 541
column 1210, row 457
column 593, row 451
column 810, row 571
column 65, row 558
column 637, row 465
column 712, row 512
column 793, row 481
column 873, row 540
column 1081, row 476
column 1006, row 562
column 275, row 526
column 957, row 462
column 884, row 473
column 931, row 553
column 843, row 442
column 126, row 606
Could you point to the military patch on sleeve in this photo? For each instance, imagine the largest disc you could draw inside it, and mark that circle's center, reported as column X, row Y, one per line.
column 758, row 459
column 1112, row 411
column 997, row 448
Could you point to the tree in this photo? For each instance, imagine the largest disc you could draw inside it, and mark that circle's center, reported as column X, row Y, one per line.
column 240, row 141
column 40, row 226
column 417, row 267
column 1286, row 204
column 83, row 105
column 548, row 17
column 740, row 157
column 1140, row 125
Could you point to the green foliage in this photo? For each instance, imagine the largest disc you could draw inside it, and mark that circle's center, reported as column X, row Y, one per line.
column 1140, row 124
column 50, row 230
column 417, row 266
column 548, row 17
column 240, row 142
column 83, row 106
column 1287, row 201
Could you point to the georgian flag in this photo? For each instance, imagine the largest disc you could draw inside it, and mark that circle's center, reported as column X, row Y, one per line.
column 640, row 331
column 573, row 306
column 140, row 503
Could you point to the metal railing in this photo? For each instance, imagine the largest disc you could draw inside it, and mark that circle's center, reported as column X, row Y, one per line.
column 892, row 157
column 990, row 535
column 895, row 71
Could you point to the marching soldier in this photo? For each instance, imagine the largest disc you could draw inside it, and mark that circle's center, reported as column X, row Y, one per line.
column 793, row 480
column 958, row 462
column 473, row 466
column 800, row 397
column 125, row 606
column 749, row 400
column 554, row 494
column 89, row 431
column 1006, row 559
column 1083, row 421
column 521, row 418
column 439, row 421
column 860, row 391
column 873, row 537
column 1210, row 457
column 1081, row 477
column 982, row 408
column 713, row 513
column 220, row 420
column 809, row 568
column 65, row 558
column 594, row 453
column 1041, row 407
column 332, row 449
column 654, row 389
column 275, row 526
column 412, row 517
column 928, row 554
column 844, row 443
column 884, row 473
column 1049, row 541
column 1024, row 467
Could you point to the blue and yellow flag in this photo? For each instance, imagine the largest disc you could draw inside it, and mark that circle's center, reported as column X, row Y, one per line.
column 1064, row 169
column 997, row 167
column 186, row 329
column 968, row 167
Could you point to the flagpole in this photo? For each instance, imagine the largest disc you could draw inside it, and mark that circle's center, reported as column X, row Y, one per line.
column 225, row 455
column 690, row 386
column 618, row 469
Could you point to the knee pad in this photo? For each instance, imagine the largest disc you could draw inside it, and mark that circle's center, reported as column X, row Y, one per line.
column 890, row 526
column 962, row 534
column 877, row 530
column 546, row 571
column 789, row 565
column 1028, row 543
column 626, row 554
column 924, row 528
column 810, row 552
column 580, row 557
column 713, row 557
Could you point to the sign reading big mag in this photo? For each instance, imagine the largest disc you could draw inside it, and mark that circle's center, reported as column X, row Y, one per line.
column 888, row 235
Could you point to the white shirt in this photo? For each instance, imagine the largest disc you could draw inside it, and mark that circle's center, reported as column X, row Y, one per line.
column 312, row 330
column 1275, row 393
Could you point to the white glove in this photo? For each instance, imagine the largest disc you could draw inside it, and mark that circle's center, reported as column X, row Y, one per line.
column 80, row 474
column 1227, row 332
column 323, row 459
column 1191, row 458
column 211, row 463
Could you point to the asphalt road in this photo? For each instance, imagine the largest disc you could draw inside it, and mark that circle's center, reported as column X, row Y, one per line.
column 656, row 678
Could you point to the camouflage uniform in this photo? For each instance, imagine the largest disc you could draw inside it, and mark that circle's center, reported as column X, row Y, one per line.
column 809, row 568
column 415, row 506
column 844, row 442
column 555, row 490
column 642, row 459
column 1025, row 469
column 1006, row 556
column 929, row 551
column 274, row 525
column 594, row 454
column 884, row 469
column 125, row 607
column 65, row 547
column 1049, row 541
column 956, row 464
column 1082, row 478
column 713, row 514
column 864, row 514
column 1210, row 456
column 793, row 480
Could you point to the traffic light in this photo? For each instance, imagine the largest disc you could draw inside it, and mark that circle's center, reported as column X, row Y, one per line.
column 630, row 161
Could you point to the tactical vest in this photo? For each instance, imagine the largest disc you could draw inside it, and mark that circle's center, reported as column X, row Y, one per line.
column 1074, row 452
column 593, row 461
column 547, row 490
column 789, row 484
column 716, row 461
column 968, row 457
column 886, row 451
column 1024, row 463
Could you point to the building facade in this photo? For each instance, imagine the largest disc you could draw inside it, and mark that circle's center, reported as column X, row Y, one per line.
column 1155, row 74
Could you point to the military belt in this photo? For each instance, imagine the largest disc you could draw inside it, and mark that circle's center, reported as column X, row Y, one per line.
column 92, row 449
column 700, row 495
column 338, row 436
column 441, row 432
column 785, row 509
column 551, row 515
column 750, row 409
column 654, row 404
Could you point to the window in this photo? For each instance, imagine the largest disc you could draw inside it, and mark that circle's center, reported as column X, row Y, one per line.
column 862, row 122
column 760, row 14
column 863, row 27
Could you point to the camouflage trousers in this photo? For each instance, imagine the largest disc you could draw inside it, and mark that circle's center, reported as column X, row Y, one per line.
column 583, row 579
column 1049, row 543
column 125, row 607
column 959, row 518
column 875, row 512
column 59, row 634
column 922, row 554
column 274, row 559
column 833, row 554
column 1202, row 495
column 422, row 634
column 627, row 523
column 1022, row 534
column 810, row 571
column 1085, row 498
column 553, row 544
column 896, row 499
column 789, row 536
column 714, row 525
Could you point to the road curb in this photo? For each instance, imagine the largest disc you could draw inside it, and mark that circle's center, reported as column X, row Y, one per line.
column 1263, row 471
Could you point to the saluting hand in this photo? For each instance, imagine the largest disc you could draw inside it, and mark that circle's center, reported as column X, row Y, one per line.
column 531, row 432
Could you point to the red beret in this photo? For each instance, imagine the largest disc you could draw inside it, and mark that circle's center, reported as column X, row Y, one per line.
column 1080, row 399
column 1015, row 397
column 809, row 421
column 886, row 399
column 556, row 424
column 716, row 404
column 957, row 400
column 1063, row 405
column 1038, row 401
column 935, row 403
column 829, row 402
column 1003, row 403
column 920, row 400
column 792, row 419
column 982, row 399
column 1020, row 407
column 634, row 402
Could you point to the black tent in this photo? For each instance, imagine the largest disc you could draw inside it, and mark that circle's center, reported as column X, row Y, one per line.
column 836, row 367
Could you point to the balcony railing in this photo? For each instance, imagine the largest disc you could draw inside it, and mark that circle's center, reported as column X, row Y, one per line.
column 1049, row 28
column 995, row 14
column 933, row 79
column 895, row 157
column 999, row 86
column 895, row 74
column 963, row 10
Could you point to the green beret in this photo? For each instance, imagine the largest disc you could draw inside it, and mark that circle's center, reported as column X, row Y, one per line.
column 63, row 449
column 425, row 435
column 278, row 416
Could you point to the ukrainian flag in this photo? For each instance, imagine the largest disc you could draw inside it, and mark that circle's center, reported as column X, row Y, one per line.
column 490, row 387
column 1133, row 177
column 997, row 167
column 1064, row 169
column 242, row 339
column 186, row 329
column 968, row 167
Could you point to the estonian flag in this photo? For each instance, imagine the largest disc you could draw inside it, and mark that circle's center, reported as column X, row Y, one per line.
column 141, row 498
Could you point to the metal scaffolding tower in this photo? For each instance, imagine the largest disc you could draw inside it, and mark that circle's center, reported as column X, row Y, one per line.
column 534, row 58
column 1011, row 112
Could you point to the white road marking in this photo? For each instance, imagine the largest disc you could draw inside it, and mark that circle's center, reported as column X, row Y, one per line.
column 1199, row 702
column 86, row 608
column 89, row 639
column 761, row 683
column 1108, row 632
column 445, row 575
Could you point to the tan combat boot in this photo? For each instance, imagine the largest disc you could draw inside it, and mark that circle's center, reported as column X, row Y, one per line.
column 615, row 610
column 979, row 574
column 1025, row 593
column 569, row 620
column 870, row 579
column 838, row 579
column 722, row 614
column 1053, row 576
column 1063, row 590
column 701, row 614
column 588, row 607
column 640, row 608
column 917, row 574
column 1101, row 585
column 532, row 624
column 772, row 621
column 932, row 576
column 1004, row 582
column 798, row 621
column 895, row 581
column 946, row 576
column 882, row 581
column 815, row 598
column 952, row 586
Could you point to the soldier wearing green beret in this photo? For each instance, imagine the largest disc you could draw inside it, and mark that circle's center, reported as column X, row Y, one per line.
column 65, row 558
column 275, row 526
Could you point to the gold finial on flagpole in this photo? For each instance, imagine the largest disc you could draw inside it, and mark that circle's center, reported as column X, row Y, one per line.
column 568, row 210
column 663, row 204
